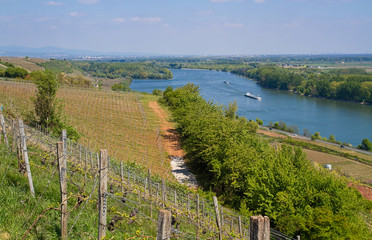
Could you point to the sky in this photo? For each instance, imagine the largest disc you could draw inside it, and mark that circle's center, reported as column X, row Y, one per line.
column 190, row 27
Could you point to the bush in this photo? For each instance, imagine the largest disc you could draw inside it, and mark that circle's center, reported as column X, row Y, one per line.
column 157, row 92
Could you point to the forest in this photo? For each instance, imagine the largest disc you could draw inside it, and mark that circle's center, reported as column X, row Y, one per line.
column 123, row 70
column 343, row 84
column 252, row 176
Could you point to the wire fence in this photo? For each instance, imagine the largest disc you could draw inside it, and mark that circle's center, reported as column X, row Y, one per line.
column 134, row 196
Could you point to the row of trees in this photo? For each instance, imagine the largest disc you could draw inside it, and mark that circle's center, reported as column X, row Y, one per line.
column 250, row 175
column 124, row 70
column 344, row 85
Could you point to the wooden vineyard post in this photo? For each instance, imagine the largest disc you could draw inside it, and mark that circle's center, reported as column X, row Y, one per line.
column 121, row 177
column 62, row 168
column 102, row 196
column 197, row 215
column 259, row 228
column 25, row 156
column 149, row 186
column 164, row 225
column 218, row 219
column 163, row 192
column 221, row 217
column 14, row 136
column 2, row 121
column 240, row 225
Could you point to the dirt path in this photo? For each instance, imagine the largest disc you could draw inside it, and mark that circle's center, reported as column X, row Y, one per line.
column 171, row 137
column 172, row 147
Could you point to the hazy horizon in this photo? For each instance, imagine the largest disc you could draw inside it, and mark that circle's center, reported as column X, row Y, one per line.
column 203, row 27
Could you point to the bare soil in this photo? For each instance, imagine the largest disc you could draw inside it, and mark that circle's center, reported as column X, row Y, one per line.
column 171, row 138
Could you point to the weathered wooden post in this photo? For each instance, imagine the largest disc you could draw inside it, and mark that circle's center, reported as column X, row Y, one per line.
column 164, row 225
column 218, row 219
column 121, row 177
column 25, row 156
column 2, row 121
column 62, row 168
column 163, row 192
column 102, row 196
column 259, row 228
column 197, row 215
column 240, row 225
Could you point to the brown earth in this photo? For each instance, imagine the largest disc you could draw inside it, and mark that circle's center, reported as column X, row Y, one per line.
column 364, row 190
column 170, row 135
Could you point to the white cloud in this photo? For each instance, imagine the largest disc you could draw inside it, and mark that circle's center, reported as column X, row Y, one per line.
column 234, row 25
column 119, row 20
column 166, row 26
column 77, row 14
column 218, row 1
column 53, row 3
column 146, row 20
column 88, row 1
column 259, row 1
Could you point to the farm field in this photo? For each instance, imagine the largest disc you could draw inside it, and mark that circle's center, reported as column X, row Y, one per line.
column 28, row 64
column 345, row 166
column 120, row 122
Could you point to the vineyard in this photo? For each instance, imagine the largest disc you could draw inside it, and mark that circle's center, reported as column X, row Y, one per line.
column 117, row 122
column 134, row 196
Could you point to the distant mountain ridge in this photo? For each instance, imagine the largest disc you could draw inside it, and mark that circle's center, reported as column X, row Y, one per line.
column 56, row 52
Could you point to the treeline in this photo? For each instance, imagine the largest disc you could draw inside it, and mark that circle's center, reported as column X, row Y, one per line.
column 124, row 70
column 12, row 71
column 250, row 175
column 351, row 84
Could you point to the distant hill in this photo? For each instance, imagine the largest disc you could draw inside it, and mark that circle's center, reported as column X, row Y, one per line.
column 58, row 53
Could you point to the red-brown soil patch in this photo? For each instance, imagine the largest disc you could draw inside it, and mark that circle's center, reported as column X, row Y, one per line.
column 170, row 135
column 364, row 190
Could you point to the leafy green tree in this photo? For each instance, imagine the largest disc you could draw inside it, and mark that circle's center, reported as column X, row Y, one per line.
column 332, row 138
column 15, row 72
column 47, row 109
column 157, row 92
column 365, row 145
column 259, row 121
column 45, row 101
column 230, row 111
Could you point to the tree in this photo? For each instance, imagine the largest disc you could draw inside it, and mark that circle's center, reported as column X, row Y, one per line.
column 230, row 111
column 45, row 101
column 332, row 138
column 157, row 92
column 366, row 145
column 47, row 109
column 306, row 132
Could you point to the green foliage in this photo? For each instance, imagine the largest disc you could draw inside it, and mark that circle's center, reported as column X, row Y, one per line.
column 366, row 145
column 14, row 72
column 57, row 66
column 345, row 84
column 124, row 70
column 123, row 86
column 47, row 109
column 248, row 174
column 259, row 121
column 157, row 92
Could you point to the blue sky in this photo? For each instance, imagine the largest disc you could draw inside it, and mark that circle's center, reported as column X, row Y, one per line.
column 198, row 27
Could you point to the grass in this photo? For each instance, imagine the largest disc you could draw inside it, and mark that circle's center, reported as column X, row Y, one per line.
column 39, row 218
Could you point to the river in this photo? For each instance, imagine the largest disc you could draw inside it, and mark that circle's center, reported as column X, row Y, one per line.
column 348, row 122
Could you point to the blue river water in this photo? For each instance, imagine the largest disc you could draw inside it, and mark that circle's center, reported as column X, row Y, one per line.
column 348, row 122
